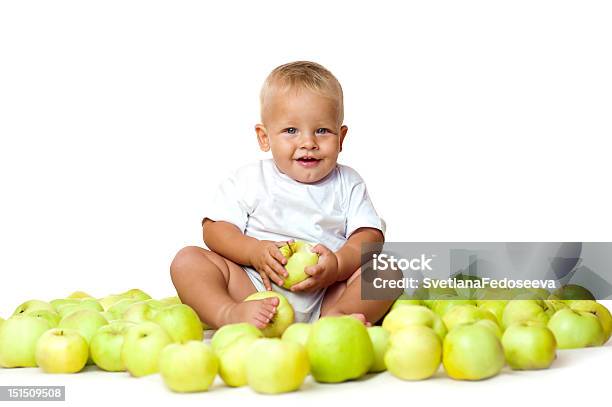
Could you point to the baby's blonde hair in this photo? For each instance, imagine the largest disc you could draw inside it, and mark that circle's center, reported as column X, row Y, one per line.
column 304, row 75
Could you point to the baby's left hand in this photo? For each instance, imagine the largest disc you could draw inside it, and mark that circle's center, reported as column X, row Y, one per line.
column 323, row 274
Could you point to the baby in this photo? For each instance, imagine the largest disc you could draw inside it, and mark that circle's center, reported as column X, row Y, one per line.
column 302, row 193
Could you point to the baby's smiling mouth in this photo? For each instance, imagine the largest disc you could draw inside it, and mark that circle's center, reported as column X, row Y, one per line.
column 308, row 161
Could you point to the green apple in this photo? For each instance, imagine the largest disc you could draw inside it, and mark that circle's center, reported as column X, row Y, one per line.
column 298, row 257
column 462, row 314
column 227, row 334
column 105, row 346
column 62, row 350
column 595, row 308
column 414, row 353
column 429, row 295
column 232, row 360
column 60, row 302
column 86, row 303
column 405, row 299
column 524, row 310
column 188, row 367
column 532, row 294
column 33, row 305
column 414, row 315
column 492, row 326
column 181, row 322
column 86, row 321
column 495, row 307
column 573, row 292
column 18, row 337
column 170, row 300
column 140, row 312
column 142, row 345
column 79, row 294
column 442, row 305
column 52, row 317
column 297, row 333
column 120, row 307
column 472, row 352
column 339, row 349
column 135, row 294
column 109, row 301
column 492, row 294
column 576, row 329
column 380, row 340
column 283, row 316
column 529, row 345
column 275, row 366
column 158, row 304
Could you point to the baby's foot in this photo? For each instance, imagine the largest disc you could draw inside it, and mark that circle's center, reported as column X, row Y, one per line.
column 256, row 312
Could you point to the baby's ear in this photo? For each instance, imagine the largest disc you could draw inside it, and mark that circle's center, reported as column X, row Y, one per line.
column 262, row 137
column 343, row 131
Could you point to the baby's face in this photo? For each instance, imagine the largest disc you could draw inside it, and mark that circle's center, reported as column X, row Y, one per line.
column 303, row 131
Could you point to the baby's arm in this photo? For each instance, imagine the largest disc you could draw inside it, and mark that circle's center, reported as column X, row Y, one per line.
column 227, row 240
column 349, row 255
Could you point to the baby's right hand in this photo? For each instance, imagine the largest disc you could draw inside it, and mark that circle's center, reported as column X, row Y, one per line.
column 269, row 262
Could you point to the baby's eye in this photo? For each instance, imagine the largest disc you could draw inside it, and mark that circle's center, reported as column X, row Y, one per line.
column 290, row 130
column 321, row 130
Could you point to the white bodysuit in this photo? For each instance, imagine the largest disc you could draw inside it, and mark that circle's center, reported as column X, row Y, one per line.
column 267, row 204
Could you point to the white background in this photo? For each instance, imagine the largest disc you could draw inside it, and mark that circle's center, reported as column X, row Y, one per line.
column 469, row 121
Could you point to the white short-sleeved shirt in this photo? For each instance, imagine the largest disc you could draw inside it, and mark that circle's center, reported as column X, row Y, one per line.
column 266, row 204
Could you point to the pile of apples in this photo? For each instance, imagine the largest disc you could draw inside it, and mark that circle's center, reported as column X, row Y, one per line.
column 119, row 332
column 472, row 338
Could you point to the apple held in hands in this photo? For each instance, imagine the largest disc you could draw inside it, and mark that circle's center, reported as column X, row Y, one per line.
column 472, row 352
column 18, row 337
column 298, row 257
column 414, row 353
column 275, row 366
column 529, row 345
column 281, row 319
column 339, row 349
column 105, row 346
column 62, row 350
column 188, row 367
column 576, row 329
column 181, row 322
column 141, row 348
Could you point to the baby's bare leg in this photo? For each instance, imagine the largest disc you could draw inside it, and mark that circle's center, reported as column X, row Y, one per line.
column 344, row 298
column 215, row 288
